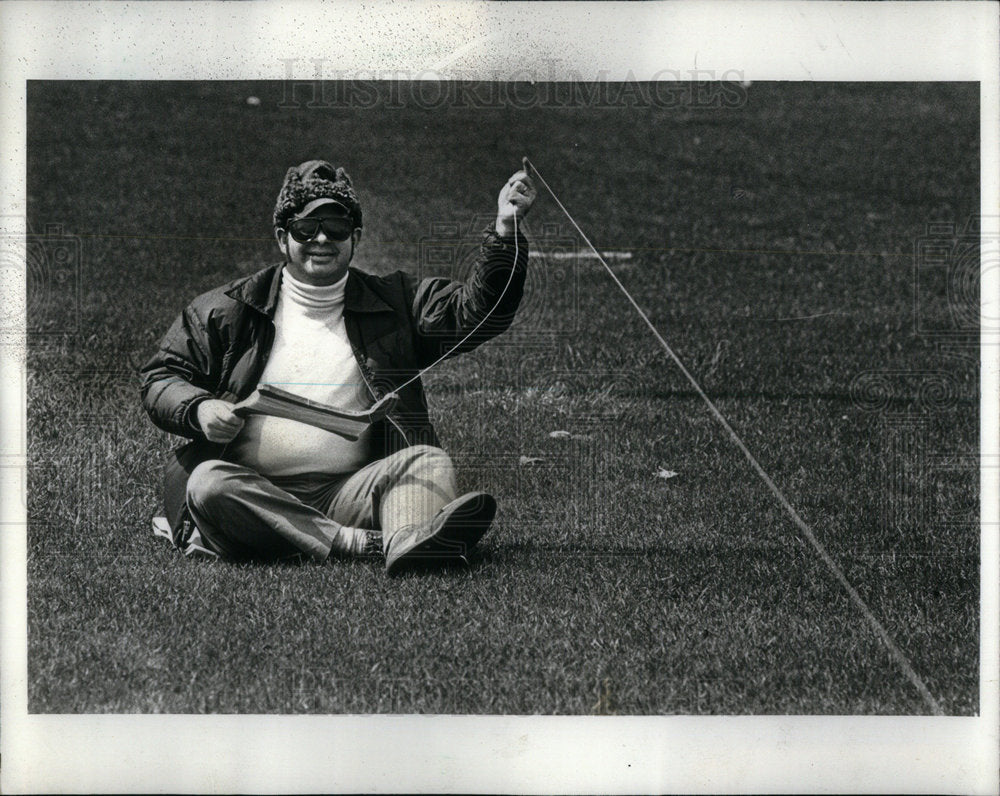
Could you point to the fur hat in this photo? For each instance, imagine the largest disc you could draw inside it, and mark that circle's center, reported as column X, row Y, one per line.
column 315, row 179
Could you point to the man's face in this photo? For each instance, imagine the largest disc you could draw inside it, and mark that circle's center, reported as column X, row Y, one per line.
column 321, row 260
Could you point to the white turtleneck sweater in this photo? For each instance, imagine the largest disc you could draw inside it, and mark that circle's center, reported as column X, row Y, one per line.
column 311, row 357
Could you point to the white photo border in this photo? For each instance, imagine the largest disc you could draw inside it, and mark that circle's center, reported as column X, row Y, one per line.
column 860, row 41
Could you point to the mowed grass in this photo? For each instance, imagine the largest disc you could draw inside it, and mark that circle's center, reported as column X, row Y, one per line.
column 771, row 243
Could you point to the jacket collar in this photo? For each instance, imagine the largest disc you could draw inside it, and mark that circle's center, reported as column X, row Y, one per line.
column 359, row 295
column 260, row 291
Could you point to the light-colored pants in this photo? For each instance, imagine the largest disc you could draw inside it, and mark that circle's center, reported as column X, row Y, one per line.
column 241, row 514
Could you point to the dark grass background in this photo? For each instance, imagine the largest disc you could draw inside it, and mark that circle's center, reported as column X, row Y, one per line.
column 773, row 245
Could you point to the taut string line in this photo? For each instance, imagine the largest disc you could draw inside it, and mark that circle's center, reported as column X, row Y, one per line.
column 897, row 655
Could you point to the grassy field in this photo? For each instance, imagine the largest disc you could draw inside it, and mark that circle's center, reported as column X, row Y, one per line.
column 773, row 245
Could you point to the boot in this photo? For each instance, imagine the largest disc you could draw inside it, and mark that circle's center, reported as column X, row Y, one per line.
column 450, row 536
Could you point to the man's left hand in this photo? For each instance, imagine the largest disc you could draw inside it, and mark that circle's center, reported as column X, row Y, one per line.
column 516, row 199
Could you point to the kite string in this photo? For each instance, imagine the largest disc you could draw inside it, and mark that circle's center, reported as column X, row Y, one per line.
column 475, row 329
column 897, row 654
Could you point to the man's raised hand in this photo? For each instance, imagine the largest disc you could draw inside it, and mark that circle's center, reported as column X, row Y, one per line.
column 516, row 199
column 217, row 420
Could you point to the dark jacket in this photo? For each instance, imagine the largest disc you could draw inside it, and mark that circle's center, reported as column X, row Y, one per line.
column 219, row 345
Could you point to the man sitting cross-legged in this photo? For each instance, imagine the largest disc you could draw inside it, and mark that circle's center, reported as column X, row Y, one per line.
column 263, row 487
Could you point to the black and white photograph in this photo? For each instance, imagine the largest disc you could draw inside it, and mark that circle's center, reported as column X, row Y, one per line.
column 454, row 390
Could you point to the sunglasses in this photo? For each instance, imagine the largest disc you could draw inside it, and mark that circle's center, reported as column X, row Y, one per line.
column 305, row 229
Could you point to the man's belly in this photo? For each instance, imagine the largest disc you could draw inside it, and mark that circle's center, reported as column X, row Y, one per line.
column 276, row 446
